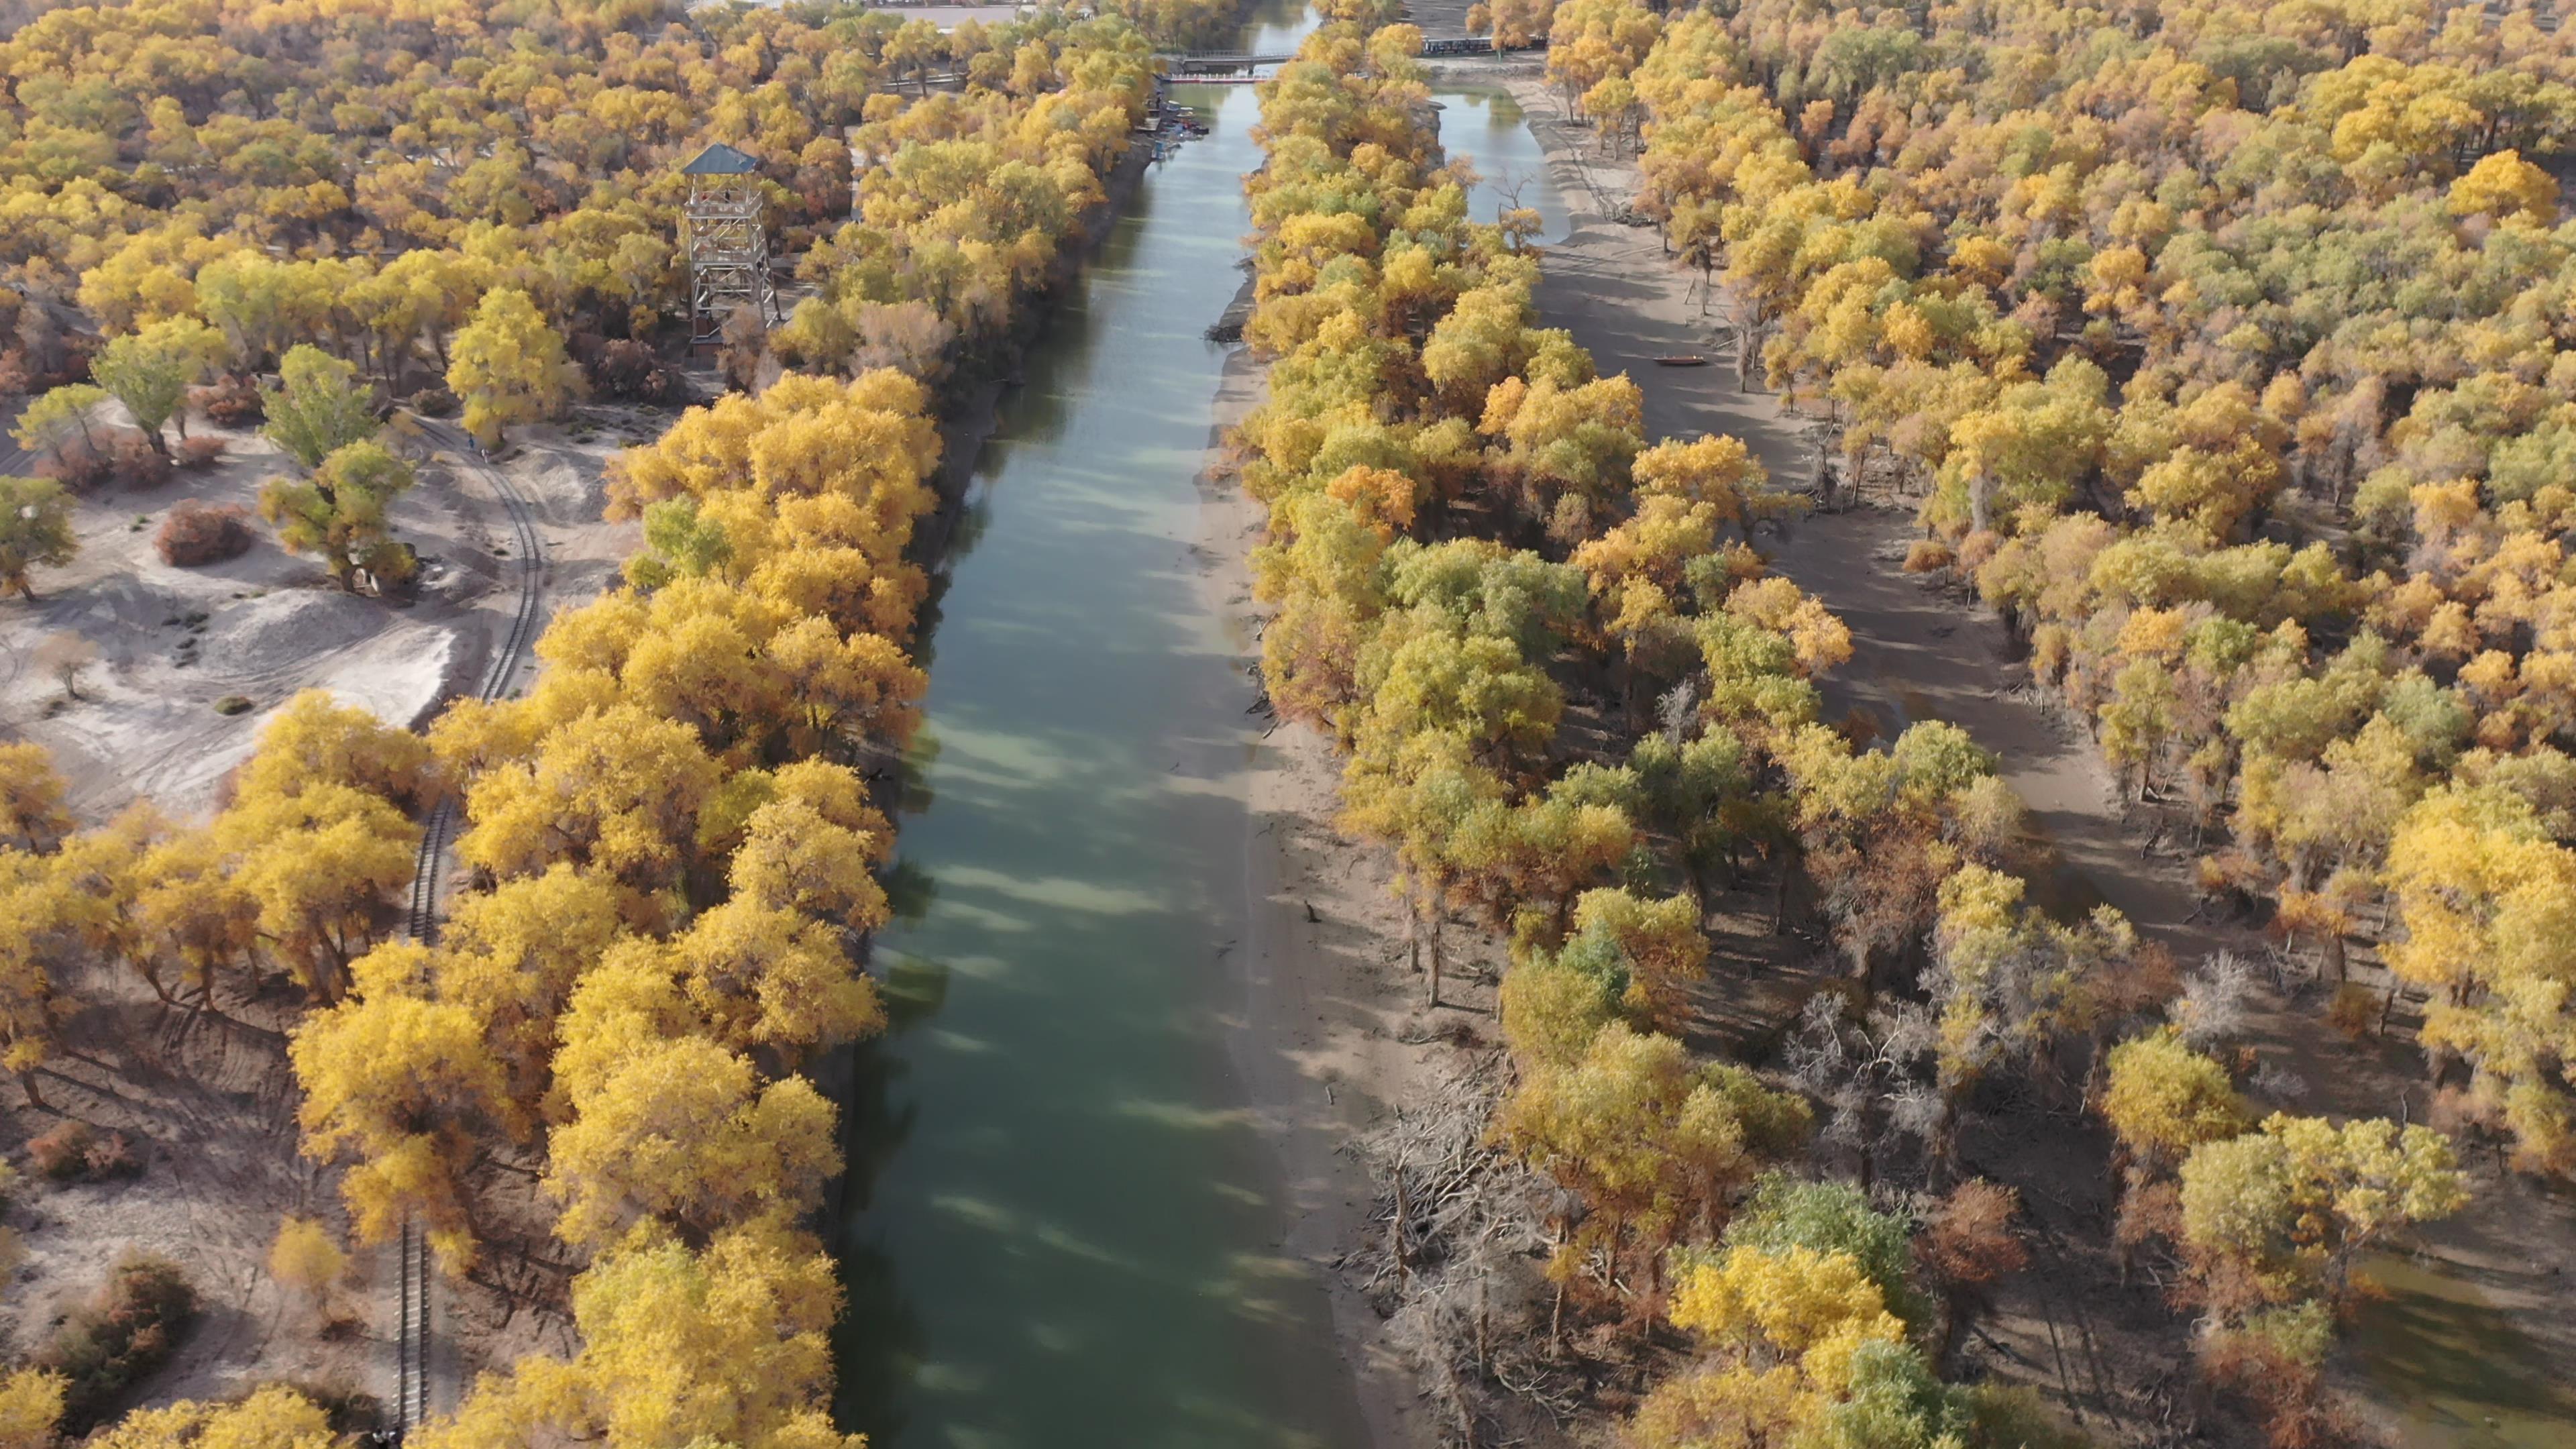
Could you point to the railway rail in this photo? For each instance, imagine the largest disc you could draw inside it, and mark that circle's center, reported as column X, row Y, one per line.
column 412, row 1315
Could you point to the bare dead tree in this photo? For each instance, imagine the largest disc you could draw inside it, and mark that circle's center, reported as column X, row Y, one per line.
column 1455, row 1266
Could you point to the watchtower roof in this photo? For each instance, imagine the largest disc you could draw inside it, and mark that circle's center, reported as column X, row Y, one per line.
column 720, row 160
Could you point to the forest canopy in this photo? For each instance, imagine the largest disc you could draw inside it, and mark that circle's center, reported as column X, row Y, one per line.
column 671, row 842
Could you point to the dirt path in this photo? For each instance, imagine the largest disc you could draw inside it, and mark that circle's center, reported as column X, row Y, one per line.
column 1918, row 653
column 1924, row 652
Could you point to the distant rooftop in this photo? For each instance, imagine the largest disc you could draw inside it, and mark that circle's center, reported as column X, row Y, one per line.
column 720, row 160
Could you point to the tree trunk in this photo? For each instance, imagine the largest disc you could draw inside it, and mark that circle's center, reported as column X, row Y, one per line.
column 2437, row 1064
column 1437, row 956
column 1435, row 978
column 1945, row 1330
column 1945, row 1141
column 1864, row 978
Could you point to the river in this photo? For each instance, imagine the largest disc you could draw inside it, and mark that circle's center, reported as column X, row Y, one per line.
column 1060, row 1225
column 1484, row 127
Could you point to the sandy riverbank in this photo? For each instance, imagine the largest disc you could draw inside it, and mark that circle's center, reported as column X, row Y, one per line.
column 1325, row 998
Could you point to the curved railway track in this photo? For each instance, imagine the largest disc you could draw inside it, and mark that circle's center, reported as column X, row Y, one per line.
column 412, row 1317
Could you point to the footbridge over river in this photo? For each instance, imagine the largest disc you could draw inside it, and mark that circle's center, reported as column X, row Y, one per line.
column 1218, row 65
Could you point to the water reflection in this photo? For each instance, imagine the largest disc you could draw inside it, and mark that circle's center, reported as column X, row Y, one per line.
column 1487, row 128
column 909, row 889
column 1059, row 1224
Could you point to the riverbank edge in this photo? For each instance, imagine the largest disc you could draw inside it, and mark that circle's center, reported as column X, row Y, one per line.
column 968, row 419
column 976, row 413
column 1332, row 1034
column 1314, row 1030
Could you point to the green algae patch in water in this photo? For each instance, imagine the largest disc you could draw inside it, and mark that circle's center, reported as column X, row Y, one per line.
column 2447, row 1369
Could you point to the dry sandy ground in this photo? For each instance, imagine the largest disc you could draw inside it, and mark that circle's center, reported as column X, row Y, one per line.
column 209, row 1118
column 207, row 1102
column 171, row 641
column 1924, row 652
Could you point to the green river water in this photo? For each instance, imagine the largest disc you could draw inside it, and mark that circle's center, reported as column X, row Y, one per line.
column 2446, row 1368
column 1061, row 1224
column 1058, row 1225
column 1061, row 1227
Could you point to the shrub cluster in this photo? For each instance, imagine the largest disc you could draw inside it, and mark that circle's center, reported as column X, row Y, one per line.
column 121, row 1335
column 74, row 1151
column 202, row 533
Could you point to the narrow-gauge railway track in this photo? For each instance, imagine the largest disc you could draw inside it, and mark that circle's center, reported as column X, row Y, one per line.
column 412, row 1316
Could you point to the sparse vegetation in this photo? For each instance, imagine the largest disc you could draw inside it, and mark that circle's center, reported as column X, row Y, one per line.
column 125, row 1331
column 65, row 656
column 306, row 1259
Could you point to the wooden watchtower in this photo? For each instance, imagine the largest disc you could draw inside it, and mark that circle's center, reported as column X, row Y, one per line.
column 727, row 241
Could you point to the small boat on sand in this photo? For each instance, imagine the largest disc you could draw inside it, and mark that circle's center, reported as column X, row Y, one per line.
column 1684, row 359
